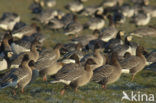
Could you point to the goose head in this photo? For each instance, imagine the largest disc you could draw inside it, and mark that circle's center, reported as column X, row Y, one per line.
column 88, row 64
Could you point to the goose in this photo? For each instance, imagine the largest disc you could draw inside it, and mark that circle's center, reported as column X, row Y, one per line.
column 73, row 28
column 24, row 44
column 18, row 77
column 151, row 57
column 67, row 19
column 8, row 21
column 47, row 59
column 109, row 3
column 150, row 9
column 90, row 10
column 75, row 6
column 55, row 24
column 109, row 73
column 109, row 32
column 144, row 31
column 135, row 63
column 97, row 22
column 78, row 51
column 118, row 17
column 48, row 3
column 75, row 75
column 45, row 16
column 33, row 55
column 127, row 47
column 96, row 56
column 141, row 19
column 35, row 7
column 85, row 39
column 115, row 41
column 127, row 10
column 25, row 31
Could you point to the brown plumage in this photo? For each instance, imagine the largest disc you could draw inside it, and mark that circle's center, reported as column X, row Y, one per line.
column 135, row 63
column 108, row 73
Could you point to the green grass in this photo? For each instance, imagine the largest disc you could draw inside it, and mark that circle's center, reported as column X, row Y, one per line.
column 41, row 92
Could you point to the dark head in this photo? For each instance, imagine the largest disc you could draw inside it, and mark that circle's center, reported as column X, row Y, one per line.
column 96, row 33
column 25, row 58
column 111, row 22
column 7, row 36
column 128, row 39
column 32, row 64
column 58, row 46
column 76, row 58
column 90, row 62
column 97, row 47
column 34, row 25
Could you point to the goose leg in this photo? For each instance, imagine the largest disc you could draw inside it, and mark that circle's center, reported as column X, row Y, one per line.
column 63, row 90
column 14, row 92
column 44, row 78
column 22, row 90
column 104, row 87
column 133, row 76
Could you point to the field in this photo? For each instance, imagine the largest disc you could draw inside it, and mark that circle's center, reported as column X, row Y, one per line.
column 42, row 92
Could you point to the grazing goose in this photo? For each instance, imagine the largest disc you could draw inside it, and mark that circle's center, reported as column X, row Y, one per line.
column 47, row 59
column 33, row 55
column 90, row 10
column 8, row 21
column 109, row 32
column 141, row 19
column 145, row 31
column 75, row 75
column 55, row 24
column 75, row 6
column 46, row 15
column 74, row 27
column 97, row 22
column 25, row 31
column 135, row 63
column 108, row 73
column 67, row 19
column 19, row 77
column 84, row 39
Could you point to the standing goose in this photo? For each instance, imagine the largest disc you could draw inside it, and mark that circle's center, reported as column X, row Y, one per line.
column 47, row 59
column 109, row 32
column 74, row 27
column 75, row 6
column 135, row 63
column 75, row 75
column 19, row 77
column 108, row 73
column 33, row 55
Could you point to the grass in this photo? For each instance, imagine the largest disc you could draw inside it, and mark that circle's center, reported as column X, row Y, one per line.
column 41, row 92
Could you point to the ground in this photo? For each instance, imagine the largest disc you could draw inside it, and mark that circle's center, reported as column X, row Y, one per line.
column 42, row 92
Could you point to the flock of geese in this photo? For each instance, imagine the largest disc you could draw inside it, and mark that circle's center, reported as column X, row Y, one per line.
column 100, row 57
